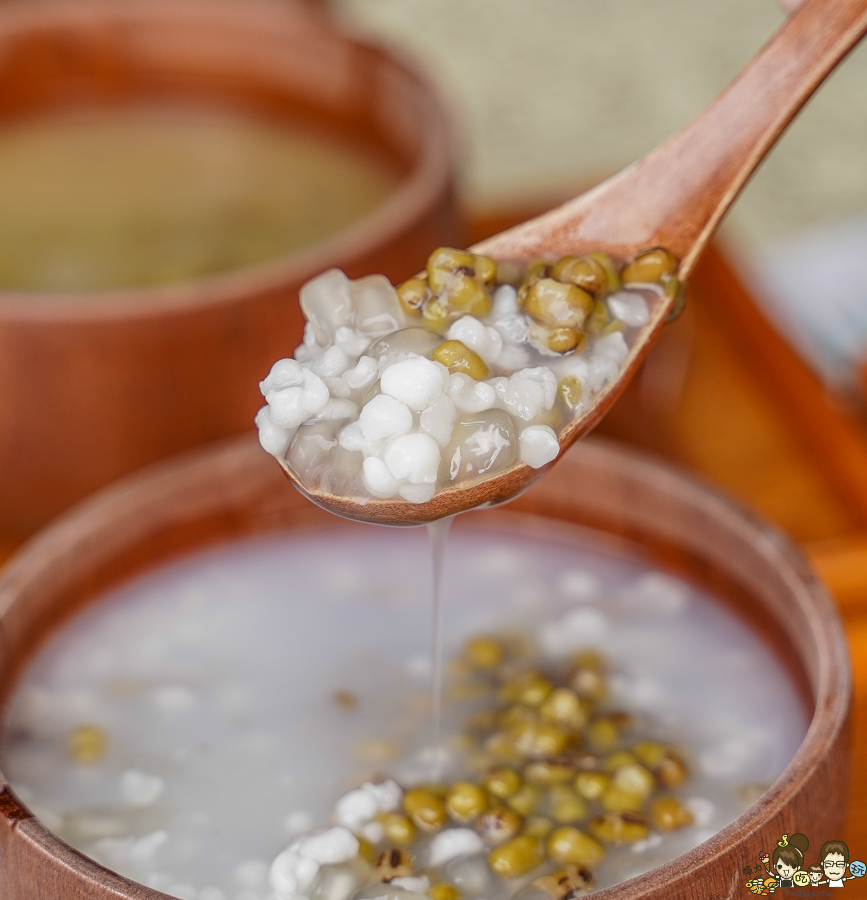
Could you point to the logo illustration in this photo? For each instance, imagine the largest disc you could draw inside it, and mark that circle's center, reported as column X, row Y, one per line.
column 787, row 867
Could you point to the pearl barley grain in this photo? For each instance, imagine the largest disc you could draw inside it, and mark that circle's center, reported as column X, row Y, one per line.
column 446, row 344
column 307, row 797
column 414, row 458
column 384, row 417
column 538, row 445
column 417, row 382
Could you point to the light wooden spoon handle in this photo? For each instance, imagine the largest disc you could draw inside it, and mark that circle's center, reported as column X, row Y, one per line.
column 676, row 195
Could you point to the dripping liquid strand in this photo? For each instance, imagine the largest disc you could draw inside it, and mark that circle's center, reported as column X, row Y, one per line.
column 438, row 532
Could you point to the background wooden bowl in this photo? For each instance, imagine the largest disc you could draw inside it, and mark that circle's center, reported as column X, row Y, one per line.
column 234, row 489
column 94, row 386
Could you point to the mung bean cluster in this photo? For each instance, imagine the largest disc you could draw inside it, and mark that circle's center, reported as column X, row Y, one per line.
column 551, row 776
column 455, row 375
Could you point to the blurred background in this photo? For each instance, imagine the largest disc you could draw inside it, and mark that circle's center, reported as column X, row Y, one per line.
column 549, row 95
column 115, row 205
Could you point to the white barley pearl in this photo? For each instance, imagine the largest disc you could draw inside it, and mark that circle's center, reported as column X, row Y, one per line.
column 292, row 874
column 528, row 392
column 414, row 458
column 538, row 445
column 363, row 374
column 520, row 396
column 357, row 807
column 469, row 330
column 452, row 843
column 438, row 421
column 630, row 307
column 333, row 361
column 416, row 381
column 350, row 341
column 505, row 301
column 292, row 406
column 469, row 395
column 284, row 373
column 335, row 845
column 513, row 356
column 287, row 408
column 472, row 333
column 613, row 346
column 352, row 438
column 417, row 493
column 337, row 387
column 274, row 440
column 141, row 788
column 377, row 478
column 384, row 417
column 576, row 366
column 327, row 304
column 373, row 832
column 335, row 410
column 388, row 794
column 602, row 371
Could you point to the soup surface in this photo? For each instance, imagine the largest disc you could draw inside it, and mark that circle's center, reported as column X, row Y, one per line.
column 119, row 199
column 243, row 690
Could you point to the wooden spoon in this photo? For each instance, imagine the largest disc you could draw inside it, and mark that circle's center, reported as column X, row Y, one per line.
column 674, row 197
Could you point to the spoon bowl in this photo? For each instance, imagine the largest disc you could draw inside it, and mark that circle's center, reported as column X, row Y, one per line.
column 675, row 197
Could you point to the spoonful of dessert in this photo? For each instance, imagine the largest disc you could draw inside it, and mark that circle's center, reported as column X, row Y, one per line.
column 461, row 386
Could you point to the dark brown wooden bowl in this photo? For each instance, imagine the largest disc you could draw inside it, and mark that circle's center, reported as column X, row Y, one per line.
column 234, row 489
column 95, row 386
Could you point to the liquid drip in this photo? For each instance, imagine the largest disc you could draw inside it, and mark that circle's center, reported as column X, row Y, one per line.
column 438, row 532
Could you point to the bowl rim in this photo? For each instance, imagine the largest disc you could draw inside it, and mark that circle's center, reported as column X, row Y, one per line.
column 221, row 461
column 429, row 176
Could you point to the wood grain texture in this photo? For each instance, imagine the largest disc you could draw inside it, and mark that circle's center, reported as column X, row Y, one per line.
column 94, row 386
column 677, row 194
column 235, row 489
column 856, row 821
column 674, row 197
column 723, row 394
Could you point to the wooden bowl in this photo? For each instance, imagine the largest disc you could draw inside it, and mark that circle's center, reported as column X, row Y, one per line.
column 234, row 489
column 95, row 386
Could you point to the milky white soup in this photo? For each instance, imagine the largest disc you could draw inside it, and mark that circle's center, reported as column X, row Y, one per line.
column 124, row 199
column 243, row 691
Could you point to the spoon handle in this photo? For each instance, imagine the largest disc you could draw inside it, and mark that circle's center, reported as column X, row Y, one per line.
column 676, row 195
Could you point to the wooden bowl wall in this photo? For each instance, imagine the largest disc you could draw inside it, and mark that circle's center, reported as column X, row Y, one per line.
column 94, row 386
column 234, row 489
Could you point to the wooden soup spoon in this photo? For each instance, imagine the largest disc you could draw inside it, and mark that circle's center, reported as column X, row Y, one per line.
column 675, row 198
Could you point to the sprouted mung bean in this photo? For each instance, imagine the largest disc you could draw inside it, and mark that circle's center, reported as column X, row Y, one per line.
column 210, row 732
column 537, row 798
column 454, row 376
